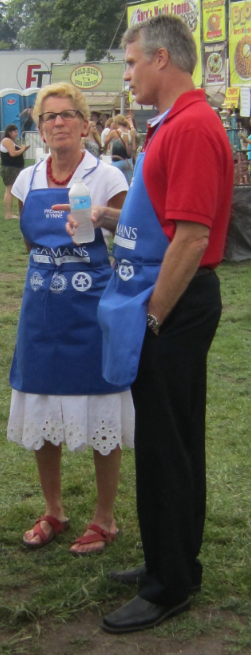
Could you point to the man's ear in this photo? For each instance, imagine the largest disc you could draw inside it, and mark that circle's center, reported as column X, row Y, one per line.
column 162, row 57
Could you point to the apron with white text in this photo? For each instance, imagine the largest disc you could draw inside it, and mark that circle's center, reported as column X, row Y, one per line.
column 139, row 248
column 59, row 341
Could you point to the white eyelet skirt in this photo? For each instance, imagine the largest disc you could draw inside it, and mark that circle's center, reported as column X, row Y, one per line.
column 102, row 422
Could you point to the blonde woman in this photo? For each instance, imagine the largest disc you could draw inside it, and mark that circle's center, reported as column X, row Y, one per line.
column 122, row 132
column 59, row 394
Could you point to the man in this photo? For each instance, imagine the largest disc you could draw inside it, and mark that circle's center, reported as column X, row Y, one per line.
column 170, row 237
column 248, row 141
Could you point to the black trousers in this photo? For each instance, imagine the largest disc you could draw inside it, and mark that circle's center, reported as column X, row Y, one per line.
column 169, row 395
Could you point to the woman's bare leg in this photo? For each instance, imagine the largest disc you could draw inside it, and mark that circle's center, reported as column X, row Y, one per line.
column 107, row 477
column 8, row 200
column 48, row 463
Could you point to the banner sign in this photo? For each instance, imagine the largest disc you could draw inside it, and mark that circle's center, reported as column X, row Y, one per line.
column 188, row 11
column 240, row 43
column 232, row 97
column 245, row 101
column 90, row 76
column 214, row 20
column 214, row 66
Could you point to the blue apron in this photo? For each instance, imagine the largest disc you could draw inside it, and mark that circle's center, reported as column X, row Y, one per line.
column 59, row 341
column 139, row 248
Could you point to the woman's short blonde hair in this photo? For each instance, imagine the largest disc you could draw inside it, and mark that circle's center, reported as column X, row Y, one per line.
column 61, row 90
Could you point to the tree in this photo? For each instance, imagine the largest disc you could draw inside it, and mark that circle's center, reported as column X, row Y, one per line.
column 8, row 33
column 70, row 25
column 35, row 23
column 91, row 25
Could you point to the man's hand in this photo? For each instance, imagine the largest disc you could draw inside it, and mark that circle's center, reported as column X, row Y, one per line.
column 99, row 218
column 179, row 265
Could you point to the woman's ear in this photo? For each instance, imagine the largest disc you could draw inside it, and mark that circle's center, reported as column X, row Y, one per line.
column 41, row 134
column 85, row 127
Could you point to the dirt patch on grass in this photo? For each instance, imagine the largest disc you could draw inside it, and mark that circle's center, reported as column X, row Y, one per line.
column 9, row 277
column 84, row 635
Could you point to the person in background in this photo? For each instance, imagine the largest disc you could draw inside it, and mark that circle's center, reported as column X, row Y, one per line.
column 12, row 163
column 122, row 142
column 123, row 132
column 58, row 392
column 108, row 126
column 92, row 140
column 101, row 122
column 248, row 141
column 27, row 118
column 161, row 308
column 121, row 160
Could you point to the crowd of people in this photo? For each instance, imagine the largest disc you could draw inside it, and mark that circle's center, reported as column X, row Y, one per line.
column 117, row 142
column 145, row 325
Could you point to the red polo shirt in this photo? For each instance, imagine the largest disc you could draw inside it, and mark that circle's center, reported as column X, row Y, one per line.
column 188, row 171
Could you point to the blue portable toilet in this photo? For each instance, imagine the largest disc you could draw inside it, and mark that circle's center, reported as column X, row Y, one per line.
column 29, row 97
column 11, row 107
column 28, row 100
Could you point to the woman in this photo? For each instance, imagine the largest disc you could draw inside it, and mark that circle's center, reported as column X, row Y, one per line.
column 109, row 124
column 124, row 132
column 12, row 162
column 122, row 140
column 58, row 390
column 28, row 122
column 92, row 140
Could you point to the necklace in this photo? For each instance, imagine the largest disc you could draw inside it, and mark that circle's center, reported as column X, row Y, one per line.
column 67, row 179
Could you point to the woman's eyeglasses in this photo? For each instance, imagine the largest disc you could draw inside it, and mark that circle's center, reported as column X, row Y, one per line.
column 66, row 115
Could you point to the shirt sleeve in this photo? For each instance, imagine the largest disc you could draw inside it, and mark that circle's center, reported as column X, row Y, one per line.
column 115, row 181
column 21, row 185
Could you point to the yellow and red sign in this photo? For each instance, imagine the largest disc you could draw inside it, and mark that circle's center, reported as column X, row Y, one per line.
column 232, row 97
column 188, row 11
column 240, row 43
column 214, row 20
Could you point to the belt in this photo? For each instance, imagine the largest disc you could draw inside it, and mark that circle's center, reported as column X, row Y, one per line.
column 203, row 271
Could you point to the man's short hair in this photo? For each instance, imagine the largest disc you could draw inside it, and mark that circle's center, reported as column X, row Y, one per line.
column 167, row 32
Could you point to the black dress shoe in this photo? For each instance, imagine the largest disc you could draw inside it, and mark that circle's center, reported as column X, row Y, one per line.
column 132, row 576
column 139, row 614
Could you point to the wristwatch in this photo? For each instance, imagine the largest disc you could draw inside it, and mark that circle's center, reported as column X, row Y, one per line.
column 152, row 322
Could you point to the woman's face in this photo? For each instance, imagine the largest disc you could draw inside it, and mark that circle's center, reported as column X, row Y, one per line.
column 13, row 134
column 61, row 134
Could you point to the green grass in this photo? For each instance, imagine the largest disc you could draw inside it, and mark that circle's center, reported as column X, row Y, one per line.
column 48, row 582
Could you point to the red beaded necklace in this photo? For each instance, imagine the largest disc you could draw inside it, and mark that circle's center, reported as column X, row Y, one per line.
column 67, row 179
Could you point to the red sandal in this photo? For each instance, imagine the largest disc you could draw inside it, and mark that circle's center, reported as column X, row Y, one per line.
column 56, row 525
column 99, row 535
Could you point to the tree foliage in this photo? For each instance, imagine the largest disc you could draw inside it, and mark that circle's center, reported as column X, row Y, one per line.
column 35, row 23
column 95, row 26
column 64, row 24
column 7, row 30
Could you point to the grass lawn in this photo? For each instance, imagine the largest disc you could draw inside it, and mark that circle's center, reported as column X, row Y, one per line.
column 49, row 583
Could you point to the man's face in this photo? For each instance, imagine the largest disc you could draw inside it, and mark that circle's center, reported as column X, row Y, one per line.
column 141, row 73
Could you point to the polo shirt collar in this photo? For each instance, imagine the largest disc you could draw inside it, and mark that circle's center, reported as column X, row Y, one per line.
column 186, row 99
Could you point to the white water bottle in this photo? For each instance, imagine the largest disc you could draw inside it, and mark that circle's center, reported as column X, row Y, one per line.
column 80, row 202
